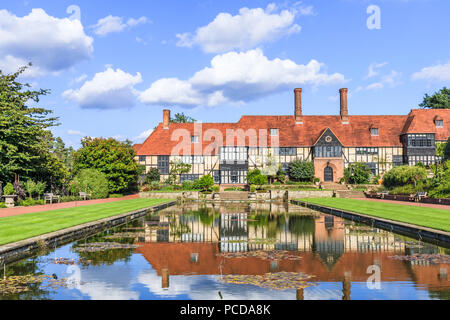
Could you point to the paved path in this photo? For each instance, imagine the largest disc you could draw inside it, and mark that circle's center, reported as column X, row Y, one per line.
column 416, row 204
column 48, row 207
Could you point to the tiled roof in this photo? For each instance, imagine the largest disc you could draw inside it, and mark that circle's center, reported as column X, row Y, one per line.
column 354, row 134
column 423, row 121
column 136, row 147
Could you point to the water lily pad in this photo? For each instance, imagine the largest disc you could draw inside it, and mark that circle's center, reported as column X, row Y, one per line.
column 261, row 254
column 273, row 281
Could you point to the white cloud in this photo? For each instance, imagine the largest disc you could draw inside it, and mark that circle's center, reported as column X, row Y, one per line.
column 440, row 72
column 75, row 133
column 237, row 77
column 248, row 29
column 111, row 89
column 50, row 43
column 144, row 135
column 111, row 24
column 372, row 69
column 392, row 80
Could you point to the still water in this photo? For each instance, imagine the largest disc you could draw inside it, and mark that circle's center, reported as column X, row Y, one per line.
column 234, row 251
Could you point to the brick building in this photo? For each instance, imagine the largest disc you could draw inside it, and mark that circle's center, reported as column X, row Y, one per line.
column 228, row 151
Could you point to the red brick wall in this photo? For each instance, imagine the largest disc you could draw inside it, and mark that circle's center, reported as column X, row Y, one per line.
column 337, row 164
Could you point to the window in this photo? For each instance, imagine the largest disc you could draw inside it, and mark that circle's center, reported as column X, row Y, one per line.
column 367, row 151
column 233, row 154
column 373, row 167
column 142, row 158
column 420, row 140
column 397, row 161
column 216, row 176
column 439, row 123
column 189, row 177
column 192, row 159
column 285, row 167
column 195, row 139
column 286, row 151
column 374, row 131
column 273, row 132
column 163, row 164
column 328, row 151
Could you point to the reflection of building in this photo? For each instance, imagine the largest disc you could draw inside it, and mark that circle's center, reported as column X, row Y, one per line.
column 331, row 248
column 228, row 151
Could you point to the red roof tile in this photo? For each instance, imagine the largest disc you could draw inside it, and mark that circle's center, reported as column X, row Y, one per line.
column 177, row 139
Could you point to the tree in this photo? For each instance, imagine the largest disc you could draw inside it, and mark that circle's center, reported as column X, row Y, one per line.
column 177, row 168
column 64, row 154
column 300, row 170
column 92, row 182
column 447, row 150
column 23, row 131
column 152, row 175
column 182, row 118
column 403, row 175
column 357, row 173
column 255, row 177
column 30, row 187
column 205, row 183
column 113, row 158
column 439, row 100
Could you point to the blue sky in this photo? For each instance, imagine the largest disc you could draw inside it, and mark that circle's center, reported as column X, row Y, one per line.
column 116, row 66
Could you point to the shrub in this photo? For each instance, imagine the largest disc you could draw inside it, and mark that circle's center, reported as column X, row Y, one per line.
column 20, row 192
column 206, row 182
column 2, row 205
column 70, row 198
column 8, row 190
column 405, row 190
column 116, row 195
column 447, row 150
column 357, row 173
column 403, row 175
column 155, row 185
column 152, row 175
column 30, row 187
column 216, row 188
column 300, row 170
column 30, row 202
column 255, row 177
column 91, row 181
column 252, row 188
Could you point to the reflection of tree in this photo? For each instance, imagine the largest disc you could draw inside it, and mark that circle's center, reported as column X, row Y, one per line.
column 302, row 225
column 207, row 216
column 23, row 268
column 438, row 294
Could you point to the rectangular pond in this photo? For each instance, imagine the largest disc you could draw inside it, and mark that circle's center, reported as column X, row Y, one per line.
column 234, row 251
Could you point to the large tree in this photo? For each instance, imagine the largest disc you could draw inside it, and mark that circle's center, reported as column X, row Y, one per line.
column 439, row 100
column 24, row 134
column 182, row 118
column 114, row 158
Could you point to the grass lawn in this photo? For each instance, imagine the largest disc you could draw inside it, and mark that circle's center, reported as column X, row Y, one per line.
column 421, row 216
column 21, row 227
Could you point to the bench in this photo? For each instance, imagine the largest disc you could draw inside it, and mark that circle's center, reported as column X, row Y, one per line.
column 420, row 195
column 84, row 195
column 383, row 194
column 50, row 197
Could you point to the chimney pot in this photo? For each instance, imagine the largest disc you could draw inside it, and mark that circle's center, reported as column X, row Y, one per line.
column 166, row 119
column 344, row 105
column 298, row 106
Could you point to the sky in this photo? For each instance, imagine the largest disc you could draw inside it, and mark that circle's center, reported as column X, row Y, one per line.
column 113, row 66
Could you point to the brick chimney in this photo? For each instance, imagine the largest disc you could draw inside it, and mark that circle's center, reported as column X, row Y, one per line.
column 166, row 119
column 298, row 106
column 344, row 106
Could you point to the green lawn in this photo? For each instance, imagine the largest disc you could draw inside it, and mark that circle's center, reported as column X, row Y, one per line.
column 426, row 217
column 26, row 226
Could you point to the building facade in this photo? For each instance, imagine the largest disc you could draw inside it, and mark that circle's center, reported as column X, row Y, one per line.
column 227, row 151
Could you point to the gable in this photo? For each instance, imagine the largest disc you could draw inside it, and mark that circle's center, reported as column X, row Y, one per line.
column 328, row 138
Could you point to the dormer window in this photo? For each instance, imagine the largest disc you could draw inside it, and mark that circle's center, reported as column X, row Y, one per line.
column 374, row 132
column 439, row 123
column 194, row 139
column 274, row 132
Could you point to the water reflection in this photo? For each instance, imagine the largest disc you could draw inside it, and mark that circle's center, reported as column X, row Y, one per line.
column 182, row 254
